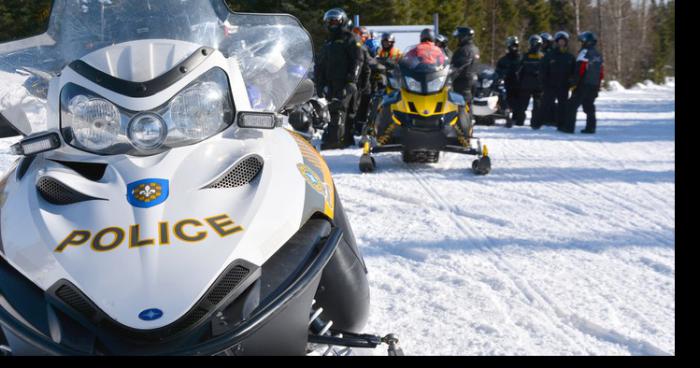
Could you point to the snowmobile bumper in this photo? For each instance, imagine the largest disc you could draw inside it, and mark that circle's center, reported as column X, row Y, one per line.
column 277, row 326
column 445, row 148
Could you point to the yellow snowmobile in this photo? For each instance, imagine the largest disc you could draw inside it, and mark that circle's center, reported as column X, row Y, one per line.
column 422, row 117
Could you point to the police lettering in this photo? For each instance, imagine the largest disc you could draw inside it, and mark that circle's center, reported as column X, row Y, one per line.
column 186, row 231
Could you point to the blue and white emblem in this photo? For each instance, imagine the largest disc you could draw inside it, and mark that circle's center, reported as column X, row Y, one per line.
column 147, row 193
column 151, row 314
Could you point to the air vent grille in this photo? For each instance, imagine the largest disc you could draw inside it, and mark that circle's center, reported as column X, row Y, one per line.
column 438, row 108
column 58, row 193
column 71, row 297
column 227, row 284
column 241, row 174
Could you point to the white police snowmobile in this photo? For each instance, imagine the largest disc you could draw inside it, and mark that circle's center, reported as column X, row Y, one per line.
column 158, row 206
column 489, row 101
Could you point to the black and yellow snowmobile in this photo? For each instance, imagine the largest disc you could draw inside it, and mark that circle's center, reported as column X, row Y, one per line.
column 422, row 117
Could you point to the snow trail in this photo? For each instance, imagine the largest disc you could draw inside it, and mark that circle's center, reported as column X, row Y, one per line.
column 566, row 248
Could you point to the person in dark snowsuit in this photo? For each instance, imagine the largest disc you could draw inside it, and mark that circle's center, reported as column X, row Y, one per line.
column 530, row 84
column 507, row 69
column 547, row 43
column 465, row 60
column 588, row 78
column 558, row 69
column 337, row 73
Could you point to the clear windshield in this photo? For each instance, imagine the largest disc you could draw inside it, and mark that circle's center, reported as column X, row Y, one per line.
column 274, row 51
column 425, row 57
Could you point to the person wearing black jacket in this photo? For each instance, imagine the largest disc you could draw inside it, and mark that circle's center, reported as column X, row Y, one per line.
column 530, row 84
column 464, row 60
column 338, row 68
column 507, row 69
column 558, row 68
column 588, row 77
column 547, row 42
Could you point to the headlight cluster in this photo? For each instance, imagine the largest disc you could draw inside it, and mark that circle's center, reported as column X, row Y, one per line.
column 201, row 110
column 413, row 85
column 432, row 86
column 436, row 84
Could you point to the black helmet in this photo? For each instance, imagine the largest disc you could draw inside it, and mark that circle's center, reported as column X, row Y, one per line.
column 441, row 40
column 512, row 42
column 561, row 34
column 588, row 38
column 535, row 41
column 546, row 37
column 464, row 34
column 335, row 20
column 427, row 35
column 388, row 40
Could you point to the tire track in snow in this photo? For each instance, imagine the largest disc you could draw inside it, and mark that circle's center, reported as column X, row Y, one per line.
column 533, row 294
column 466, row 231
column 634, row 346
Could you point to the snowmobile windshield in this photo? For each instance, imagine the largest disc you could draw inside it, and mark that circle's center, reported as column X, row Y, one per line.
column 273, row 51
column 424, row 69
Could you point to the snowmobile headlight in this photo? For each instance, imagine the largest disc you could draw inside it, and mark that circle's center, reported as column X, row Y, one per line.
column 94, row 122
column 413, row 85
column 199, row 111
column 147, row 131
column 437, row 84
column 486, row 83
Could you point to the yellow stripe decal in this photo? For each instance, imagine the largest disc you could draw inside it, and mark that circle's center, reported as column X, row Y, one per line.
column 315, row 159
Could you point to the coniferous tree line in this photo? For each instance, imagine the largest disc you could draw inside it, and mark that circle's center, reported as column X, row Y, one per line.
column 637, row 37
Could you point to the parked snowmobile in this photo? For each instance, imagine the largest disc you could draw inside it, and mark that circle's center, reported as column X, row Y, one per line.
column 154, row 211
column 489, row 102
column 423, row 117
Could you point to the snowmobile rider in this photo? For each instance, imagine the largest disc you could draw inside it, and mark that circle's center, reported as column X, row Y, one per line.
column 588, row 80
column 530, row 84
column 558, row 69
column 364, row 85
column 441, row 42
column 464, row 62
column 426, row 50
column 388, row 51
column 507, row 69
column 337, row 73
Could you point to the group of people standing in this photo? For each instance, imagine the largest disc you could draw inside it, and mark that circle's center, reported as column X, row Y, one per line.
column 548, row 73
column 555, row 80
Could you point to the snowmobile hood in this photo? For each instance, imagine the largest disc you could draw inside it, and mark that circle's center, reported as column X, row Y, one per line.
column 154, row 233
column 143, row 236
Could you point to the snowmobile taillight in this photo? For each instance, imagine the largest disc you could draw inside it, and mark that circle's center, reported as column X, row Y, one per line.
column 37, row 144
column 257, row 120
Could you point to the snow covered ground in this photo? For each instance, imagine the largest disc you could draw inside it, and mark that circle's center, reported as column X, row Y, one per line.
column 566, row 248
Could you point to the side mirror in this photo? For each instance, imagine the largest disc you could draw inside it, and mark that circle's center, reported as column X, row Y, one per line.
column 300, row 120
column 304, row 93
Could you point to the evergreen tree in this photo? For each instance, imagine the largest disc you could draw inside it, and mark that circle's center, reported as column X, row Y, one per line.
column 562, row 16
